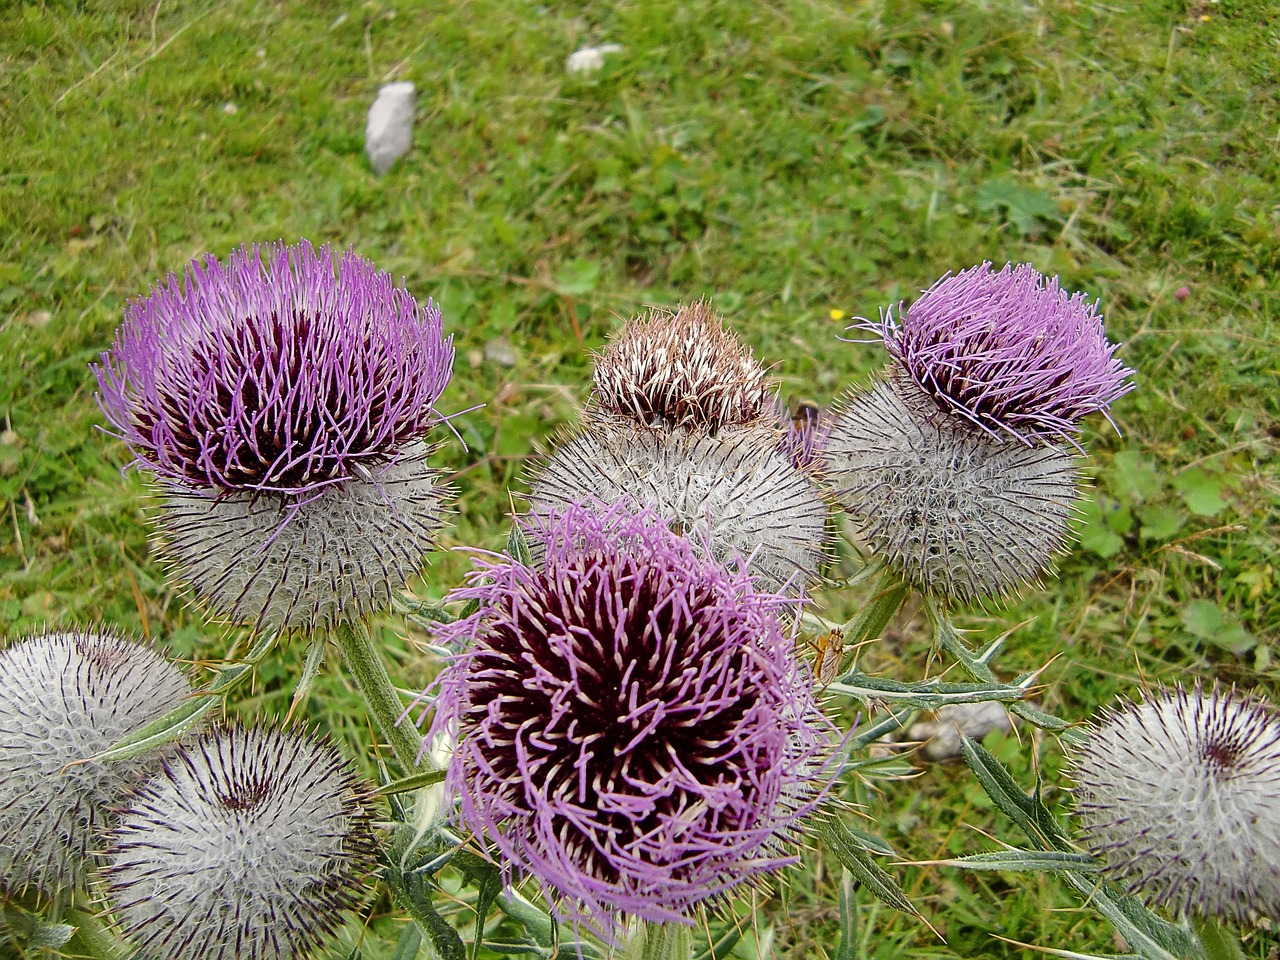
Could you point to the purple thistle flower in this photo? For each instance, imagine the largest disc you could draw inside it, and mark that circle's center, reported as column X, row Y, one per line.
column 281, row 400
column 633, row 728
column 1010, row 352
column 287, row 375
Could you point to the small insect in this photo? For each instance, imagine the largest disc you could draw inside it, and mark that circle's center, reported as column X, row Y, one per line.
column 830, row 647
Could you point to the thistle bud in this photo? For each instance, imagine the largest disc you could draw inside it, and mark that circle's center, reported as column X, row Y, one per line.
column 65, row 697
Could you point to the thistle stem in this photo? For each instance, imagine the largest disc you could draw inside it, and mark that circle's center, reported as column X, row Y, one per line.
column 975, row 664
column 94, row 938
column 380, row 697
column 1219, row 943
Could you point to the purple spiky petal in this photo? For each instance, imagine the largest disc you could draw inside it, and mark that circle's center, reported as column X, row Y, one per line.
column 286, row 369
column 1009, row 351
column 633, row 728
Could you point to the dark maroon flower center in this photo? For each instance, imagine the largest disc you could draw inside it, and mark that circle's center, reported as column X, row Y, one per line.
column 266, row 404
column 623, row 708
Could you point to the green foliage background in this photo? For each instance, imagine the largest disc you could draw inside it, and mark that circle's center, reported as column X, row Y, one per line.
column 801, row 162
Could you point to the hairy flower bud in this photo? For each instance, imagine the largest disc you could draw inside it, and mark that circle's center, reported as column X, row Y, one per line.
column 958, row 512
column 681, row 369
column 248, row 845
column 1179, row 794
column 281, row 403
column 65, row 697
column 736, row 492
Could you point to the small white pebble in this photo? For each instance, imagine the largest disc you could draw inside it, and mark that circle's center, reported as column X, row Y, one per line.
column 388, row 135
column 230, row 109
column 590, row 59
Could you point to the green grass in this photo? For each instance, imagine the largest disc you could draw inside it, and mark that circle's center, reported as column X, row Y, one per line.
column 796, row 161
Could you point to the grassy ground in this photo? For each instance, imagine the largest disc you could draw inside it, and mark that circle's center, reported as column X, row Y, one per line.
column 801, row 163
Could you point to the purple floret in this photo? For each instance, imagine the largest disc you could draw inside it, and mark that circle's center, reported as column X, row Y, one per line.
column 1011, row 352
column 633, row 728
column 285, row 374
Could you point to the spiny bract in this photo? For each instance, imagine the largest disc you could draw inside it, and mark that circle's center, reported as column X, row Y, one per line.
column 735, row 493
column 249, row 845
column 956, row 511
column 1179, row 794
column 681, row 369
column 65, row 697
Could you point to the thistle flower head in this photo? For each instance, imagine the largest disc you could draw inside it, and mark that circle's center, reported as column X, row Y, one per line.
column 286, row 374
column 248, row 845
column 65, row 697
column 1008, row 351
column 681, row 369
column 1179, row 794
column 735, row 494
column 281, row 400
column 958, row 512
column 633, row 727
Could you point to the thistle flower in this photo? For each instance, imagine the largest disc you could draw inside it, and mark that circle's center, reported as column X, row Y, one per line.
column 681, row 369
column 65, row 697
column 281, row 404
column 1179, row 794
column 1010, row 352
column 735, row 493
column 956, row 512
column 248, row 845
column 633, row 727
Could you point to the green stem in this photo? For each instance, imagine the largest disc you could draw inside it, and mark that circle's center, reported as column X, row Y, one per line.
column 380, row 696
column 1219, row 943
column 93, row 938
column 976, row 664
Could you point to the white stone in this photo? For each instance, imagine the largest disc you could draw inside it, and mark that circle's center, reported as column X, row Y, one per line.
column 389, row 133
column 590, row 59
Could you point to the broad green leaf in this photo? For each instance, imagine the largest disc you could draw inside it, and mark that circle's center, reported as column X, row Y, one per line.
column 577, row 277
column 1095, row 535
column 1201, row 491
column 1022, row 205
column 1133, row 475
column 1160, row 523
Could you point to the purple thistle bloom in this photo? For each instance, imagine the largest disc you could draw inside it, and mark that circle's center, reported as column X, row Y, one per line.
column 633, row 728
column 281, row 399
column 1010, row 352
column 287, row 375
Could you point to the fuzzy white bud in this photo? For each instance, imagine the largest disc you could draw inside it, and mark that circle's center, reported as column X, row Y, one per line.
column 1179, row 794
column 65, row 697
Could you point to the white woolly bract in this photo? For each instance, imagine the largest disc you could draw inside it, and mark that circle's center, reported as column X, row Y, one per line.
column 1180, row 796
column 681, row 368
column 249, row 845
column 333, row 556
column 734, row 492
column 959, row 513
column 65, row 697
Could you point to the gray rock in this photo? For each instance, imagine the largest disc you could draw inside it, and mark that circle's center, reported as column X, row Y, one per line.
column 942, row 736
column 388, row 135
